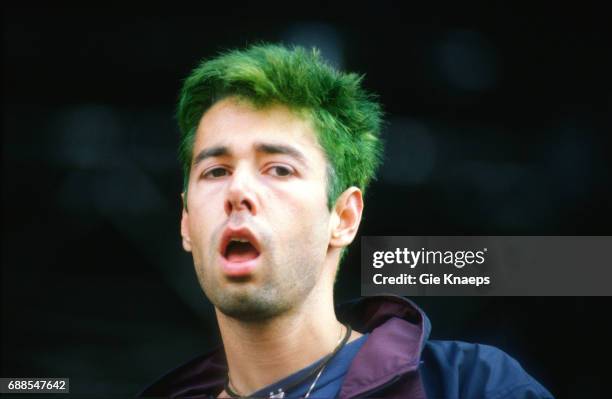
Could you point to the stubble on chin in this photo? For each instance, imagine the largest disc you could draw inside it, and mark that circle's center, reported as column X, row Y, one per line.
column 284, row 281
column 250, row 306
column 273, row 296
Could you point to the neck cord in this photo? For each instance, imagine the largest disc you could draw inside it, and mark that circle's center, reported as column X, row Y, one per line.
column 314, row 383
column 317, row 370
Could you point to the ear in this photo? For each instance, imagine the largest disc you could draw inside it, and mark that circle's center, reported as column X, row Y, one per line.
column 185, row 226
column 346, row 217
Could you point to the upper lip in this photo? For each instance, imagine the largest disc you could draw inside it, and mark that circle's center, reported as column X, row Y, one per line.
column 243, row 233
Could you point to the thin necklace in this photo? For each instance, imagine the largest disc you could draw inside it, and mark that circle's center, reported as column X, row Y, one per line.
column 280, row 393
column 314, row 383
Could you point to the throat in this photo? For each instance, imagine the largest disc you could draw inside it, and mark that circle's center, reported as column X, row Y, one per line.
column 265, row 365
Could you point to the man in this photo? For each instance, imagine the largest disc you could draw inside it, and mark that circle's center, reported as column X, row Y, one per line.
column 277, row 149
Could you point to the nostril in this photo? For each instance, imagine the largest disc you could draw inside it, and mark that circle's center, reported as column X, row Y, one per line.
column 244, row 204
column 238, row 204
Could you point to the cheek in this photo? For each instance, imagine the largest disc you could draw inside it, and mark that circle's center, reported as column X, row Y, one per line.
column 200, row 232
column 205, row 205
column 303, row 211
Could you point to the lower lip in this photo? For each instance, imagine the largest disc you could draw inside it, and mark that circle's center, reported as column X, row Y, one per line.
column 239, row 269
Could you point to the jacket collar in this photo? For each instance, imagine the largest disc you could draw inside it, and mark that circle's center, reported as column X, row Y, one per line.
column 398, row 332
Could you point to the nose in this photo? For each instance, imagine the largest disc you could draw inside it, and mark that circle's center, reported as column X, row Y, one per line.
column 240, row 193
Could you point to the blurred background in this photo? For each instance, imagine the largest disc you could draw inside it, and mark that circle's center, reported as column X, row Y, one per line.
column 498, row 123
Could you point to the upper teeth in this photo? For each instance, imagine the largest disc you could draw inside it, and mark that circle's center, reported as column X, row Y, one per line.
column 239, row 240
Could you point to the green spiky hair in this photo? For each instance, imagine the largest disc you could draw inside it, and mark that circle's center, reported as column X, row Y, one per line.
column 346, row 118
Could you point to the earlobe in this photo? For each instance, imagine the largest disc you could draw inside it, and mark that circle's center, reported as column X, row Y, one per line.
column 347, row 217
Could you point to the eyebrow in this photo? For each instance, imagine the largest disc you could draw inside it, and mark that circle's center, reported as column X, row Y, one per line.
column 217, row 151
column 266, row 148
column 281, row 149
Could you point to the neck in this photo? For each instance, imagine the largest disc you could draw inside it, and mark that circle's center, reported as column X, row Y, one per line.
column 263, row 352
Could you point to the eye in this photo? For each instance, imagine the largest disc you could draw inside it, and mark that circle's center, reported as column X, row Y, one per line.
column 281, row 171
column 215, row 173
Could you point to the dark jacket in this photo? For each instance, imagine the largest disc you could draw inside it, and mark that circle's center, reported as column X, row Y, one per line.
column 396, row 361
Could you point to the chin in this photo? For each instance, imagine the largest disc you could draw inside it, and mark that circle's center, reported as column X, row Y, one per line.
column 249, row 304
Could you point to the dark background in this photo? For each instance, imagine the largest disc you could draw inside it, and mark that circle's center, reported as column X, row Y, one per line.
column 499, row 123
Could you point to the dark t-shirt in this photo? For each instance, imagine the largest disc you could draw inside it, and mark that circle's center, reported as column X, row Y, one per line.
column 329, row 383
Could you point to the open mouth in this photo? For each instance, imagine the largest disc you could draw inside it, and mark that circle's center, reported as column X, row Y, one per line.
column 240, row 250
column 239, row 246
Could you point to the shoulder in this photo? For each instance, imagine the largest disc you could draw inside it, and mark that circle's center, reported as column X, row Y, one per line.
column 460, row 369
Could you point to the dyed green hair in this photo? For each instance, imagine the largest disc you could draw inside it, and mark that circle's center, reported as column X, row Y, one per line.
column 346, row 118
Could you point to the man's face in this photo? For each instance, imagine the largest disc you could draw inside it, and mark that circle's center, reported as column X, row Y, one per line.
column 257, row 221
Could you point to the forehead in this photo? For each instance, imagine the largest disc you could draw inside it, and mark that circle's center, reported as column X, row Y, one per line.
column 238, row 124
